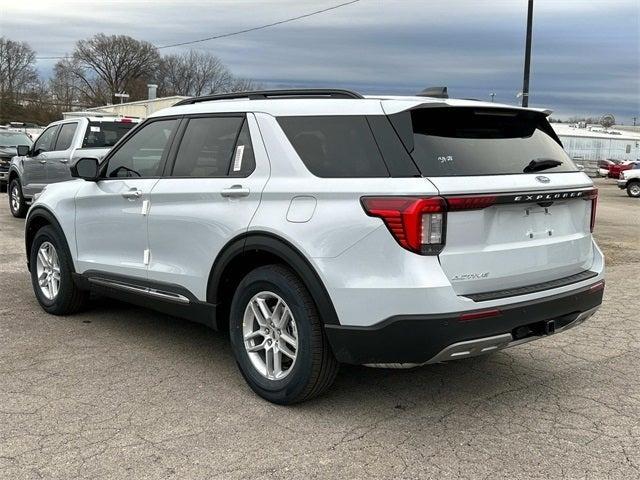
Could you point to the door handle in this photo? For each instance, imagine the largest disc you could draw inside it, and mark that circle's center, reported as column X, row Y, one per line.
column 235, row 191
column 64, row 160
column 42, row 162
column 132, row 194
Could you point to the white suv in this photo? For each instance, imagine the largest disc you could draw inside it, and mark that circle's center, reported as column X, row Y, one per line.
column 320, row 226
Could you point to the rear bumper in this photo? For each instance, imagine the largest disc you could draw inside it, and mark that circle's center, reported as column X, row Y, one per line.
column 412, row 340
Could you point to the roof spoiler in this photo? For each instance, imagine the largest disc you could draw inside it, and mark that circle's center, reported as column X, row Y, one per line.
column 434, row 92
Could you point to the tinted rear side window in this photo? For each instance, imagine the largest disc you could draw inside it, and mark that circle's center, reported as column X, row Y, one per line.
column 65, row 137
column 335, row 146
column 470, row 141
column 105, row 134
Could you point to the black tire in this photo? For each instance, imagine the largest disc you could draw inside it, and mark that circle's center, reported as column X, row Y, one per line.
column 633, row 189
column 70, row 298
column 21, row 210
column 315, row 367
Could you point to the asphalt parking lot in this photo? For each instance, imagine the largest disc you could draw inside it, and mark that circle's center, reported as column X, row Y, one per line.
column 122, row 392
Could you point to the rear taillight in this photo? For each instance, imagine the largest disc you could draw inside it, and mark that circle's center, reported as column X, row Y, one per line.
column 593, row 196
column 417, row 224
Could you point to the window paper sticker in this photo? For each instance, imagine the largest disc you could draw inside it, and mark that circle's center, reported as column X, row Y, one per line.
column 95, row 129
column 237, row 162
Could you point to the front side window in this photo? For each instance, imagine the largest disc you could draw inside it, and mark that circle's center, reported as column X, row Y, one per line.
column 45, row 140
column 65, row 137
column 142, row 154
column 207, row 147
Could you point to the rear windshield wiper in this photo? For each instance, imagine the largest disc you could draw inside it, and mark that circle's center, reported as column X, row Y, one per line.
column 538, row 164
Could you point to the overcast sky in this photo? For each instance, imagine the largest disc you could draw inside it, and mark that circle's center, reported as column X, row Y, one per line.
column 586, row 53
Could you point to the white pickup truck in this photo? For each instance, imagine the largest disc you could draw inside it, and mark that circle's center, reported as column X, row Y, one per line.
column 630, row 180
column 59, row 146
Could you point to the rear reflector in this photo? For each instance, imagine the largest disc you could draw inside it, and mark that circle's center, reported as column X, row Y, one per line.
column 480, row 314
column 596, row 287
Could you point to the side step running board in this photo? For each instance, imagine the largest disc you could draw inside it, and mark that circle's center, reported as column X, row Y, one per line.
column 150, row 292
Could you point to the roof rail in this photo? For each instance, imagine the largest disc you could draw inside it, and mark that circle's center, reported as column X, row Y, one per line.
column 267, row 94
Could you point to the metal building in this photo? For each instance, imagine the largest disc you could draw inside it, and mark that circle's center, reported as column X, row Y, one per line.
column 597, row 143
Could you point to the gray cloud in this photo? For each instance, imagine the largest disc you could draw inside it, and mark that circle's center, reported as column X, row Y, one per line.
column 586, row 56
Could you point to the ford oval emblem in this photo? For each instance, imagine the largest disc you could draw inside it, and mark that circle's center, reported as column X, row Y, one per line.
column 543, row 179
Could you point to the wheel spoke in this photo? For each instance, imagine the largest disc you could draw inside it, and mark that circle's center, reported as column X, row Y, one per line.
column 256, row 348
column 43, row 258
column 284, row 349
column 257, row 313
column 264, row 309
column 278, row 312
column 268, row 356
column 277, row 362
column 55, row 285
column 290, row 340
column 257, row 333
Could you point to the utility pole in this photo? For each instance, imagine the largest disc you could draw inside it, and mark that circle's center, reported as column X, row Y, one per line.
column 493, row 94
column 634, row 121
column 527, row 57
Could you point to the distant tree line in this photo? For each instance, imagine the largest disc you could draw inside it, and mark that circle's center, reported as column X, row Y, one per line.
column 98, row 68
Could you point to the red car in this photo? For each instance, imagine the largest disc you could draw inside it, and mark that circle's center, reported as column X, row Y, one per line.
column 614, row 170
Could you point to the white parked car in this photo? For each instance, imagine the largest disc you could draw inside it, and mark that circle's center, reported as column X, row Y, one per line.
column 629, row 180
column 322, row 227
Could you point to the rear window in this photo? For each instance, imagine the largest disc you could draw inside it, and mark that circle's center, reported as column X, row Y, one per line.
column 470, row 141
column 105, row 134
column 335, row 146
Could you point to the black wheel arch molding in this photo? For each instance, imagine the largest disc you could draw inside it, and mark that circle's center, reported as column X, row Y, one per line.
column 259, row 243
column 37, row 217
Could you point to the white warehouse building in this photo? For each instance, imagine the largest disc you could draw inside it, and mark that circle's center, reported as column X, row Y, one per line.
column 596, row 143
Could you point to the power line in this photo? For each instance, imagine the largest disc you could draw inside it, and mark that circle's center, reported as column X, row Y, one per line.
column 238, row 32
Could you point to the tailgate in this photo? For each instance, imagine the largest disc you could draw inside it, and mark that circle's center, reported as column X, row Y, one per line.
column 532, row 233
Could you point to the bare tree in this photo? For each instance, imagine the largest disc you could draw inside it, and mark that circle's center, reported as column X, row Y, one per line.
column 65, row 86
column 106, row 65
column 196, row 73
column 243, row 85
column 17, row 69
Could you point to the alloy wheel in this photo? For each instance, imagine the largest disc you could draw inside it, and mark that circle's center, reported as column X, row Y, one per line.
column 270, row 335
column 15, row 198
column 48, row 270
column 635, row 189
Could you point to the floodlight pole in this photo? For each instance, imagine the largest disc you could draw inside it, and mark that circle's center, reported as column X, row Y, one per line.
column 527, row 57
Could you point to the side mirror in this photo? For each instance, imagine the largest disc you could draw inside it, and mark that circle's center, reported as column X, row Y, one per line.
column 86, row 168
column 23, row 150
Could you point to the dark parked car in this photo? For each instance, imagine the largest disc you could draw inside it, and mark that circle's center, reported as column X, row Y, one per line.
column 9, row 140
